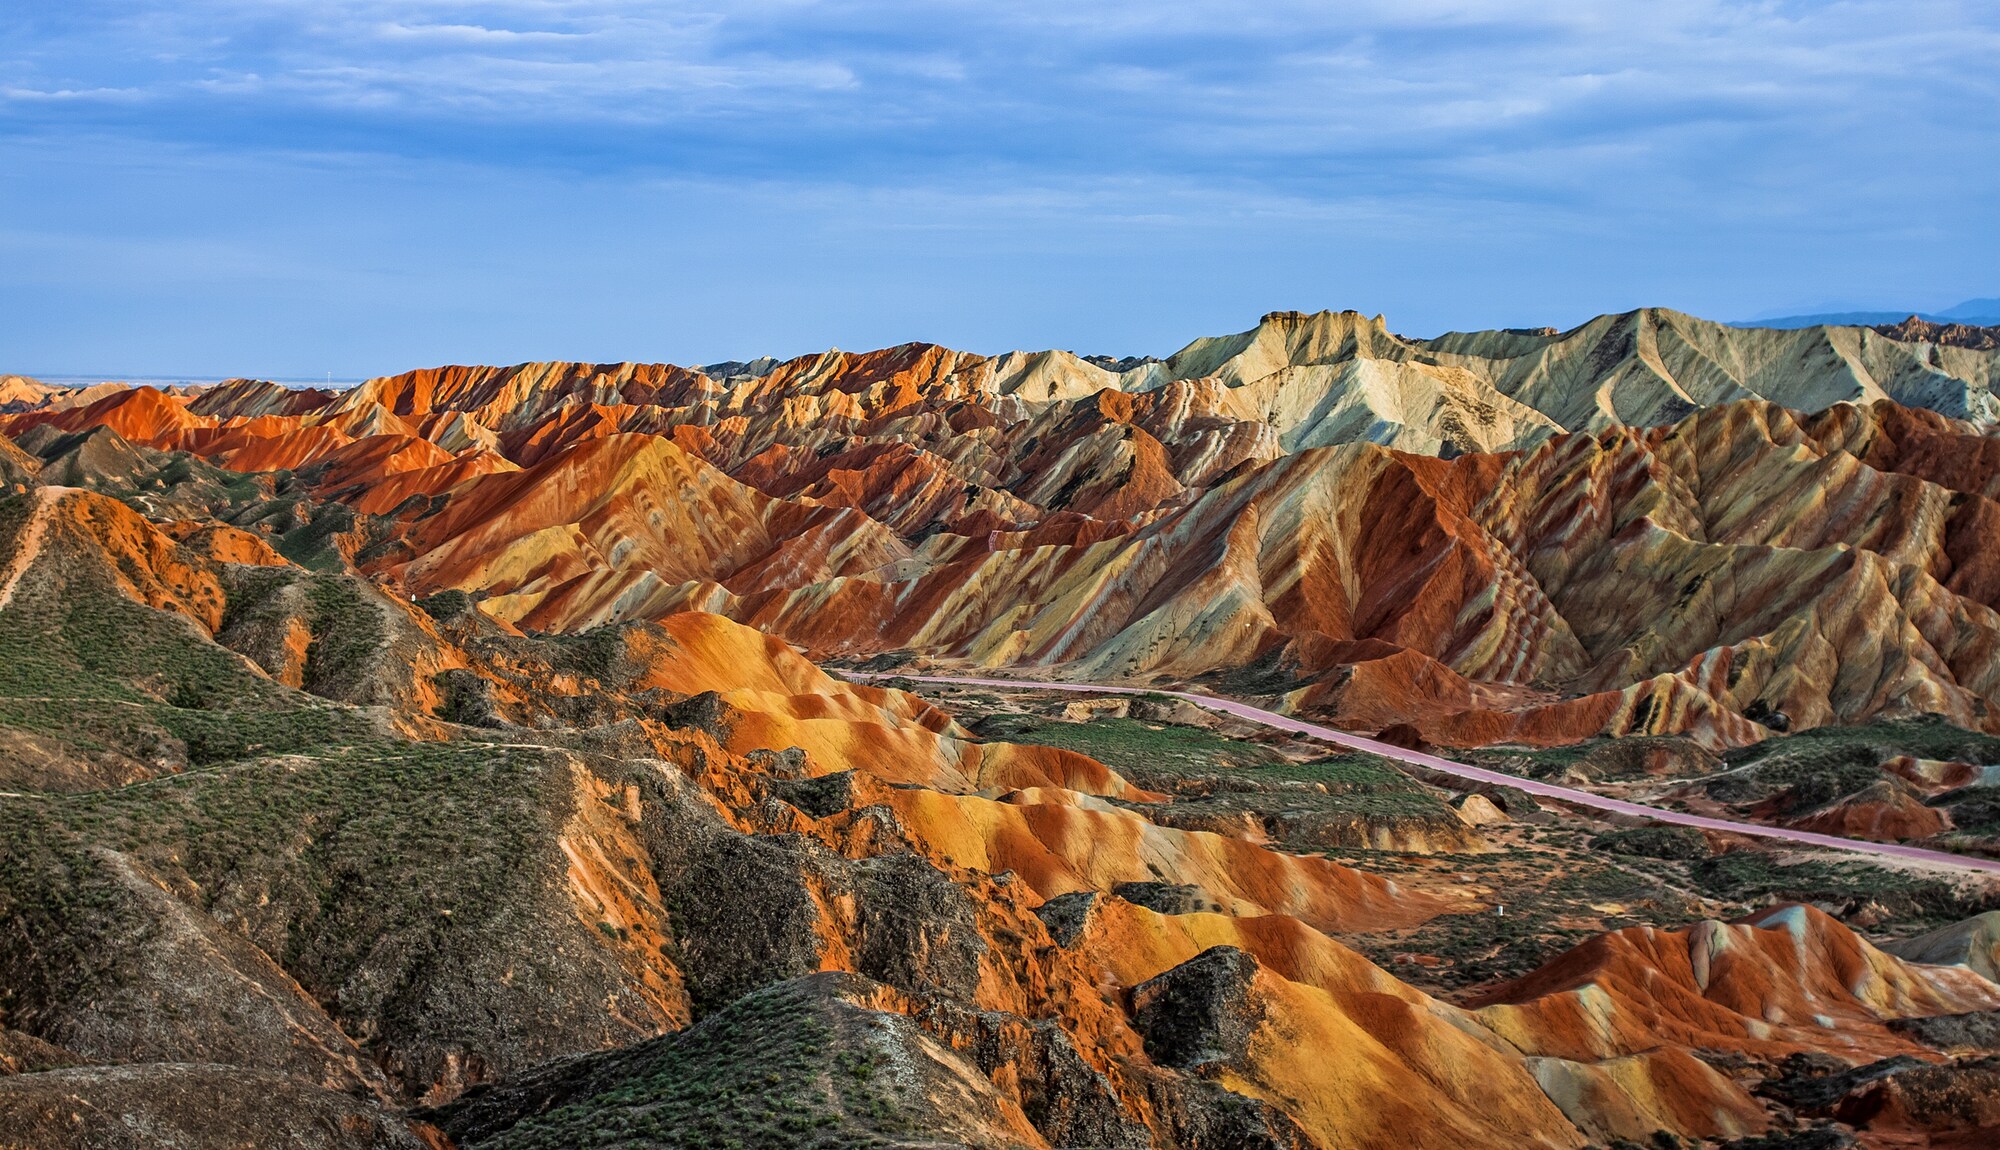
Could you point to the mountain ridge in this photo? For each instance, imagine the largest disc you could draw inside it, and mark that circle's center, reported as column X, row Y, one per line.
column 1066, row 374
column 1214, row 513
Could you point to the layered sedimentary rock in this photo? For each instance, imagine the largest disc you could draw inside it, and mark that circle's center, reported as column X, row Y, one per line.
column 1648, row 524
column 289, row 848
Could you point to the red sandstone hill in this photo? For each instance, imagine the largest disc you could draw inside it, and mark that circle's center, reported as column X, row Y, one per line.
column 1689, row 556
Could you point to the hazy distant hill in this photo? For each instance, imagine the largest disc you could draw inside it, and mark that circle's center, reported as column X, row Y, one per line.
column 1975, row 312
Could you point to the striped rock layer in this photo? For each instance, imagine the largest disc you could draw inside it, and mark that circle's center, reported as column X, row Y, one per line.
column 1648, row 524
column 967, row 890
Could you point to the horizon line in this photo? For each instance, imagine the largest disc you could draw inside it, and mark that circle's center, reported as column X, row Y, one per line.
column 76, row 378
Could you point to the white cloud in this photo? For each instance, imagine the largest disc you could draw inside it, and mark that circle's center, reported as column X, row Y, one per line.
column 1374, row 70
column 1086, row 123
column 476, row 34
column 70, row 94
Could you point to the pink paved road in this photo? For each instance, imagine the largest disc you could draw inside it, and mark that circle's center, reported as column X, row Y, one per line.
column 1480, row 774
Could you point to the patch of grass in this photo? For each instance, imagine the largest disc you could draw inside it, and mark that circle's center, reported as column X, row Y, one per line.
column 142, row 730
column 1666, row 842
column 1927, row 737
column 1826, row 764
column 1974, row 809
column 91, row 643
column 310, row 544
column 448, row 606
column 598, row 653
column 1131, row 747
column 1324, row 804
column 101, row 672
column 1912, row 901
column 1482, row 948
column 355, row 855
column 775, row 1068
column 1533, row 763
column 1625, row 757
column 1368, row 789
column 1351, row 773
column 1816, row 773
column 189, row 478
column 1550, row 906
column 347, row 629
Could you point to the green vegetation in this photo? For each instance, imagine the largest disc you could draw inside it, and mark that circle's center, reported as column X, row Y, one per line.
column 1133, row 748
column 1824, row 765
column 1626, row 757
column 103, row 673
column 357, row 854
column 1816, row 773
column 598, row 653
column 347, row 630
column 175, row 484
column 1354, row 772
column 1910, row 901
column 1542, row 763
column 96, row 644
column 1329, row 803
column 1663, row 842
column 293, row 813
column 1360, row 785
column 449, row 606
column 1928, row 737
column 164, row 732
column 188, row 476
column 1547, row 912
column 308, row 531
column 1644, row 877
column 1975, row 810
column 777, row 1068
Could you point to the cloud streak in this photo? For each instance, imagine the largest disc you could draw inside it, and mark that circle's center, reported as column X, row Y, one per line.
column 1552, row 129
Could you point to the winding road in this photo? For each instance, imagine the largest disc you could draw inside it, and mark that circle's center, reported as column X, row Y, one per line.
column 1479, row 774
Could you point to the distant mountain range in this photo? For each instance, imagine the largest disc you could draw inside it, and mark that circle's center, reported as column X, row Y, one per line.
column 1973, row 313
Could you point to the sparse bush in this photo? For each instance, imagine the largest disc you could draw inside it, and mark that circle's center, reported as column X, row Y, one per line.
column 1660, row 842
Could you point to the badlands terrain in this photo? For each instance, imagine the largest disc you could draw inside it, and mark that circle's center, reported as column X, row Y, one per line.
column 550, row 755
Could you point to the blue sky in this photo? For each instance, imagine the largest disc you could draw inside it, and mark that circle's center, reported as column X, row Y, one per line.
column 293, row 187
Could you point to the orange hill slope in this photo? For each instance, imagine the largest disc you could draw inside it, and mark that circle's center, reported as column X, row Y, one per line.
column 1791, row 978
column 1688, row 555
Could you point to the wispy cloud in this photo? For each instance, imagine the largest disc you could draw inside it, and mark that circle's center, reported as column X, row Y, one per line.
column 120, row 95
column 1584, row 130
column 476, row 34
column 1033, row 82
